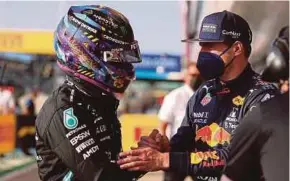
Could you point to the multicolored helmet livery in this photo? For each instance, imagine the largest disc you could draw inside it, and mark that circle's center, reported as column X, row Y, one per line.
column 96, row 44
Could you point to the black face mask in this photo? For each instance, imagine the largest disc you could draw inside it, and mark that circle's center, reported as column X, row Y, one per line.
column 211, row 65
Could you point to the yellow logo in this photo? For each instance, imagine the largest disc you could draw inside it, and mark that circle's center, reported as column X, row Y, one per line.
column 238, row 101
column 198, row 157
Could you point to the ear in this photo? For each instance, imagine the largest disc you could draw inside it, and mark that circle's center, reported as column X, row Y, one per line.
column 238, row 48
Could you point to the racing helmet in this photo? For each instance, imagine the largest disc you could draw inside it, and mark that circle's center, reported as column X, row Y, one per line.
column 277, row 61
column 96, row 44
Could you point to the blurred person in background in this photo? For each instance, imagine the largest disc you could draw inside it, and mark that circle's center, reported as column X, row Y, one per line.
column 27, row 142
column 277, row 59
column 200, row 146
column 7, row 101
column 33, row 99
column 173, row 109
column 29, row 105
column 40, row 98
column 170, row 115
column 78, row 135
column 284, row 86
column 259, row 149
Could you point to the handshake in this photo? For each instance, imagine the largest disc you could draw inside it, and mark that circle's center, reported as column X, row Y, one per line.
column 155, row 140
column 150, row 155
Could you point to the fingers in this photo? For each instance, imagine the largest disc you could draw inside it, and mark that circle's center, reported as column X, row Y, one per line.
column 165, row 139
column 158, row 138
column 133, row 152
column 165, row 145
column 134, row 148
column 134, row 165
column 139, row 168
column 146, row 141
column 149, row 140
column 145, row 144
column 153, row 133
column 130, row 159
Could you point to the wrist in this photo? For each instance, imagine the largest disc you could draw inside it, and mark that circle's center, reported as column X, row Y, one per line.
column 165, row 160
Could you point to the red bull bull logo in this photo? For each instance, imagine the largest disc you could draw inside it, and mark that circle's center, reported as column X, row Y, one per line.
column 213, row 135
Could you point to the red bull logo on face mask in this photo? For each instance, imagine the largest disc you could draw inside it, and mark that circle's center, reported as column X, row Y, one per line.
column 213, row 135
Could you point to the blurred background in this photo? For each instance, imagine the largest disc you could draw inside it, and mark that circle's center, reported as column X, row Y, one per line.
column 29, row 73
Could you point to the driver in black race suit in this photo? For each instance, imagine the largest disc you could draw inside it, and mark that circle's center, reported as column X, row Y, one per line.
column 78, row 133
column 259, row 149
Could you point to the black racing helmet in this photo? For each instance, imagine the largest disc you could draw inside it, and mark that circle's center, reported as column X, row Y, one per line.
column 277, row 61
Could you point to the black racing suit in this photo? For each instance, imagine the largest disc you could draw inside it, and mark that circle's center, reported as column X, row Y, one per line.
column 259, row 149
column 78, row 137
column 200, row 147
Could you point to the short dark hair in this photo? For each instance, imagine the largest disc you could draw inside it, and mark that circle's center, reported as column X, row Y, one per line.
column 247, row 47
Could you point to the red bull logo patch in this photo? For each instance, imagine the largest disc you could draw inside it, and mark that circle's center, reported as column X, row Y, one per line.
column 213, row 135
column 213, row 163
column 198, row 157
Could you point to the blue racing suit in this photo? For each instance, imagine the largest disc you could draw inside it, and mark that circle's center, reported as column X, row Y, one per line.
column 200, row 147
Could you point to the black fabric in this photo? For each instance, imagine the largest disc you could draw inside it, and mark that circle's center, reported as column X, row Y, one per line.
column 81, row 134
column 259, row 149
column 172, row 176
column 200, row 147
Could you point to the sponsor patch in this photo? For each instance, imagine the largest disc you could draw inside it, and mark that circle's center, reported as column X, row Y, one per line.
column 238, row 101
column 79, row 137
column 198, row 157
column 70, row 121
column 206, row 99
column 209, row 28
column 213, row 135
column 84, row 145
column 207, row 178
column 90, row 152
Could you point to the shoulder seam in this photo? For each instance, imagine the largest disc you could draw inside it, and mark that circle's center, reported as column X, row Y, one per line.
column 56, row 111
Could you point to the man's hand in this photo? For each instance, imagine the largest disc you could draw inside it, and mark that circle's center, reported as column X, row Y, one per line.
column 155, row 140
column 144, row 159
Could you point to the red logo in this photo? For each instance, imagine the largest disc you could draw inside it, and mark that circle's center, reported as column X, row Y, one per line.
column 213, row 135
column 206, row 100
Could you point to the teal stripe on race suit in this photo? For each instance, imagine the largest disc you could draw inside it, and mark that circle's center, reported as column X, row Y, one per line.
column 68, row 176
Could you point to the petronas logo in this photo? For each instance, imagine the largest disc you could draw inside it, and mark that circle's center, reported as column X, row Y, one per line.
column 70, row 121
